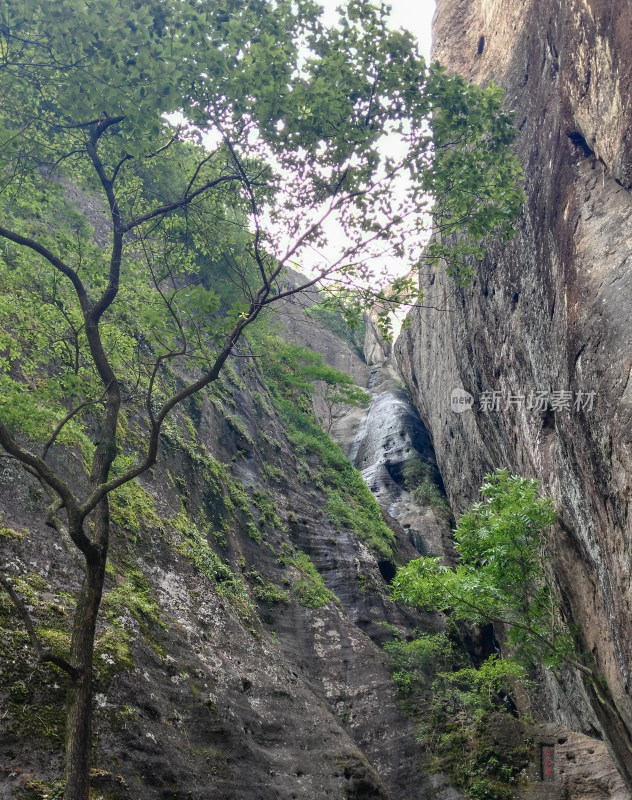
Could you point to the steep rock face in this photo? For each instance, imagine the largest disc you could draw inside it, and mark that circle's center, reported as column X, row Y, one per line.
column 299, row 328
column 549, row 312
column 391, row 435
column 381, row 438
column 220, row 694
column 376, row 350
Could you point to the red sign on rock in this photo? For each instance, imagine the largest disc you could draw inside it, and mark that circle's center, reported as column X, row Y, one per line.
column 548, row 762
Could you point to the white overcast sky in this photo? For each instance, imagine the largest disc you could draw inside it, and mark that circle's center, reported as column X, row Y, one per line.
column 415, row 15
column 417, row 18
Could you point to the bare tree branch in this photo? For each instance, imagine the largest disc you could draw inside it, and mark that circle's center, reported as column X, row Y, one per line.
column 184, row 201
column 51, row 439
column 168, row 301
column 41, row 469
column 253, row 207
column 173, row 139
column 56, row 262
column 110, row 292
column 152, row 449
column 123, row 160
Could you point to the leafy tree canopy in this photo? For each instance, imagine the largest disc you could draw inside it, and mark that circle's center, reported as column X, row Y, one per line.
column 502, row 573
column 295, row 117
column 196, row 238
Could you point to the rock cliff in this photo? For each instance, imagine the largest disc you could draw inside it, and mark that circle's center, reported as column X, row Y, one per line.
column 547, row 322
column 226, row 668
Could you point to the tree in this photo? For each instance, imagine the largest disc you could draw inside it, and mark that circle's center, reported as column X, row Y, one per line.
column 338, row 397
column 303, row 372
column 221, row 138
column 501, row 576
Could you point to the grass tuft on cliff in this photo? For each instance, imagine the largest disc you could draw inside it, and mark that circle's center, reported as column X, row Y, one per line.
column 350, row 504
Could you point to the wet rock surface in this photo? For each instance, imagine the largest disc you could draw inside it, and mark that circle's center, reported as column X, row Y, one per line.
column 391, row 435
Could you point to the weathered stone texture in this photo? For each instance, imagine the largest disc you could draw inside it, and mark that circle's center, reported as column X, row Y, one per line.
column 231, row 702
column 550, row 310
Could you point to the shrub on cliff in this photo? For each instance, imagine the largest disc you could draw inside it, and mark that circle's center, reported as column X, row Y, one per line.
column 501, row 576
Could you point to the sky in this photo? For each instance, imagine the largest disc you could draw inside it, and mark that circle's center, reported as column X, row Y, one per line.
column 415, row 15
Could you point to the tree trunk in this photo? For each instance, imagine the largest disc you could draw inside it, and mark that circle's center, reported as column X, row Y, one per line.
column 79, row 709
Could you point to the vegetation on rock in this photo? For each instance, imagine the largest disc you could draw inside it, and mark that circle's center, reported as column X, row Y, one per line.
column 460, row 710
column 289, row 375
column 418, row 479
column 109, row 321
column 501, row 576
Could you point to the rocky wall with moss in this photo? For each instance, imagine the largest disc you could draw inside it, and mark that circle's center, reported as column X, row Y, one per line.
column 547, row 316
column 234, row 652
